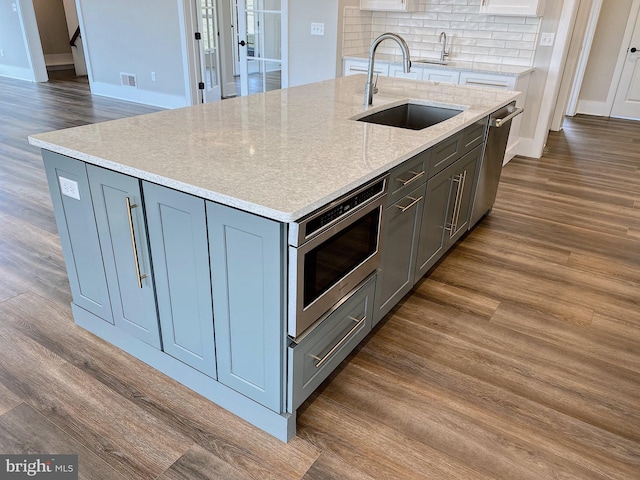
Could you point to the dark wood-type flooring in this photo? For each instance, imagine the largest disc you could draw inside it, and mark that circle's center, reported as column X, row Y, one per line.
column 517, row 358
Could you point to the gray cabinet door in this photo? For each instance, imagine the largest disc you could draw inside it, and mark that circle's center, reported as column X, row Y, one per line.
column 431, row 244
column 78, row 233
column 120, row 225
column 399, row 247
column 177, row 228
column 248, row 255
column 463, row 185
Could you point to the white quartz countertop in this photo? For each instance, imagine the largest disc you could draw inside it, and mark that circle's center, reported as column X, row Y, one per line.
column 280, row 155
column 480, row 67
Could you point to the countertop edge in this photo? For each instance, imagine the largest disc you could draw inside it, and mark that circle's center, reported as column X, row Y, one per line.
column 489, row 68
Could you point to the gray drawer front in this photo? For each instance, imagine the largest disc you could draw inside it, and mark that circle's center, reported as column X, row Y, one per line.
column 473, row 135
column 449, row 150
column 318, row 354
column 407, row 176
column 445, row 153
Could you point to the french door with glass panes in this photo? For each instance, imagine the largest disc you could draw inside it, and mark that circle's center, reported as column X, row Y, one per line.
column 260, row 41
column 209, row 50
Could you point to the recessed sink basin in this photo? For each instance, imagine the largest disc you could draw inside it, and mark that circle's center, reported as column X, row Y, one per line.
column 413, row 116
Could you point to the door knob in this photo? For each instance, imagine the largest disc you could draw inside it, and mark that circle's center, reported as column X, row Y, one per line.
column 633, row 50
column 242, row 43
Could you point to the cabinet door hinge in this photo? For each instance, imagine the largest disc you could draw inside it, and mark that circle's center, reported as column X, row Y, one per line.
column 198, row 36
column 201, row 86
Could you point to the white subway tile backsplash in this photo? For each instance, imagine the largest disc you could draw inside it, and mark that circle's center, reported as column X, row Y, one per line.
column 451, row 17
column 471, row 36
column 496, row 27
column 523, row 28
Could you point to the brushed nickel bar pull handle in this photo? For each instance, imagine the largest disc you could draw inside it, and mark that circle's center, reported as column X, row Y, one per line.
column 456, row 206
column 415, row 200
column 133, row 242
column 416, row 175
column 486, row 84
column 501, row 121
column 322, row 360
column 463, row 177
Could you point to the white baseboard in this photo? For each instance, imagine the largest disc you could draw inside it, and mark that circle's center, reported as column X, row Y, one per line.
column 526, row 148
column 58, row 59
column 136, row 95
column 17, row 72
column 229, row 90
column 589, row 107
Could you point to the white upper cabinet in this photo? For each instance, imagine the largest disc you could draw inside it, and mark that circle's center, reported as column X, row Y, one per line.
column 531, row 8
column 389, row 5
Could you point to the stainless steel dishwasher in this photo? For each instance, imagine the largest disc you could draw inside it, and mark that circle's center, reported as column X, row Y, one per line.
column 491, row 166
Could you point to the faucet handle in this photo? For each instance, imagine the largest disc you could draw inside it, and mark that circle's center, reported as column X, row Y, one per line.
column 375, row 84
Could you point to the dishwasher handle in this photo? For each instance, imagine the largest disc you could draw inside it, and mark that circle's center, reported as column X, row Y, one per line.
column 499, row 122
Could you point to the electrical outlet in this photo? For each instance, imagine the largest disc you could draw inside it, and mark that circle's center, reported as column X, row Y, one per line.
column 317, row 29
column 153, row 76
column 69, row 188
column 1, row 52
column 547, row 39
column 14, row 7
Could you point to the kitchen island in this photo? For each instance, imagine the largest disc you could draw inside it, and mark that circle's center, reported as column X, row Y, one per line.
column 176, row 228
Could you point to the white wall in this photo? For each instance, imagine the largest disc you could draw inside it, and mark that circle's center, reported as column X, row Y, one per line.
column 52, row 26
column 541, row 62
column 14, row 40
column 315, row 58
column 312, row 58
column 137, row 38
column 11, row 40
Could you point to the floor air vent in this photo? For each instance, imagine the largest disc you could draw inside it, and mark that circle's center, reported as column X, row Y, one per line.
column 128, row 79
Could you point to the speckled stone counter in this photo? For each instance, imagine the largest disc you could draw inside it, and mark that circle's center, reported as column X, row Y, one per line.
column 281, row 154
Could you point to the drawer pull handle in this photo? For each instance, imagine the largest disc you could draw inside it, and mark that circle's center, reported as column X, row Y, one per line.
column 133, row 242
column 322, row 361
column 416, row 175
column 455, row 218
column 414, row 201
column 487, row 84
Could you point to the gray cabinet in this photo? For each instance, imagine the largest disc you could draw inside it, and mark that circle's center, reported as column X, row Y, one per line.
column 248, row 260
column 73, row 209
column 119, row 214
column 399, row 248
column 420, row 225
column 463, row 190
column 177, row 228
column 431, row 244
column 446, row 210
column 315, row 356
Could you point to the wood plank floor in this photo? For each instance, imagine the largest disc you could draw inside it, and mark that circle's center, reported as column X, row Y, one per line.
column 517, row 358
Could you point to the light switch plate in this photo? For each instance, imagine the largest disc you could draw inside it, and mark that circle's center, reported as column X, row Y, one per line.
column 69, row 188
column 547, row 39
column 317, row 29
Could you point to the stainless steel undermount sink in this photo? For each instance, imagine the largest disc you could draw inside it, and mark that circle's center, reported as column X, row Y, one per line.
column 413, row 116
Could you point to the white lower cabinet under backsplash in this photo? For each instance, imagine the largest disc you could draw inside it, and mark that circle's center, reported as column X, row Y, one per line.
column 457, row 73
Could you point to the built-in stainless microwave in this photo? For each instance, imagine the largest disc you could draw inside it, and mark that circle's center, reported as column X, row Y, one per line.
column 331, row 251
